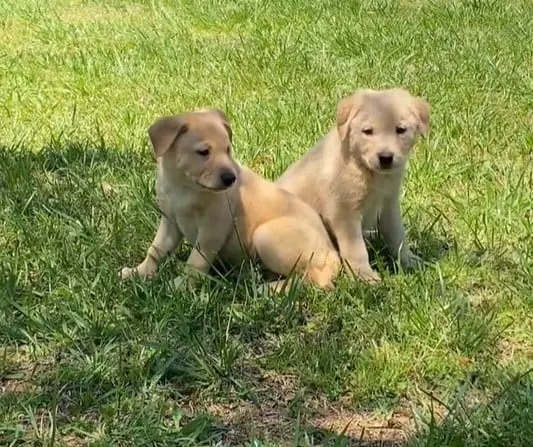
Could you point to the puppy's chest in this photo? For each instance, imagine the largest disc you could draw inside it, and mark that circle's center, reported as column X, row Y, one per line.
column 377, row 196
column 184, row 210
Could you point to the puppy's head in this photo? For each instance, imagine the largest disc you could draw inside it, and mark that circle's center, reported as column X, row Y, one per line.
column 196, row 148
column 380, row 127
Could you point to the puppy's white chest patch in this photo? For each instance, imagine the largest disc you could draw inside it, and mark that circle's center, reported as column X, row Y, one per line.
column 184, row 210
column 372, row 209
column 376, row 200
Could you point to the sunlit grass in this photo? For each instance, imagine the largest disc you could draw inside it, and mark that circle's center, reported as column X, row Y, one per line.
column 84, row 357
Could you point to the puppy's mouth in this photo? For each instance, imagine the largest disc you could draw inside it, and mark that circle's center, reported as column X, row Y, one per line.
column 220, row 188
column 375, row 167
column 385, row 168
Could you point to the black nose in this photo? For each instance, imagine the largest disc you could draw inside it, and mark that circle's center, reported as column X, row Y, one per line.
column 228, row 178
column 385, row 159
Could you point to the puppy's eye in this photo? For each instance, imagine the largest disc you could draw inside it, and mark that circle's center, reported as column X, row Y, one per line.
column 228, row 149
column 203, row 152
column 368, row 130
column 400, row 129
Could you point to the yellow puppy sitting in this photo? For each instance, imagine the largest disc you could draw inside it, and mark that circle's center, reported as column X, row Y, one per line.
column 226, row 211
column 352, row 177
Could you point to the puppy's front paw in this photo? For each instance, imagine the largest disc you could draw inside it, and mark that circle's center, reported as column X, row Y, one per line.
column 140, row 271
column 410, row 261
column 370, row 276
column 126, row 272
column 364, row 273
column 183, row 283
column 179, row 283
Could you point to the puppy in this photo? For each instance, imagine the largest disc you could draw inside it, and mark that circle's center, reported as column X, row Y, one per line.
column 226, row 211
column 353, row 176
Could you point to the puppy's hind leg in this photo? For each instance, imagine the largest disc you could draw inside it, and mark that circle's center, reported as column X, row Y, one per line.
column 287, row 246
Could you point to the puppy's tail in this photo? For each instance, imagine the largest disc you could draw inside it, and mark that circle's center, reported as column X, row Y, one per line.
column 330, row 232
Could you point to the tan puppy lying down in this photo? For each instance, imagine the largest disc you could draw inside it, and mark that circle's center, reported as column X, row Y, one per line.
column 225, row 210
column 352, row 177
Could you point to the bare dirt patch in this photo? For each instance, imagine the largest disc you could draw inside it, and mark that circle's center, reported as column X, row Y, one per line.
column 16, row 371
column 280, row 408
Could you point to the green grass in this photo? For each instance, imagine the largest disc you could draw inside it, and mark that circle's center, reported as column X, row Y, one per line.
column 437, row 358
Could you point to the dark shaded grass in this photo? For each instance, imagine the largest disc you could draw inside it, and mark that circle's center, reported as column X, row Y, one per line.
column 85, row 357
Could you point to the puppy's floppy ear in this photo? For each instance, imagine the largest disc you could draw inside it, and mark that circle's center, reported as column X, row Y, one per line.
column 422, row 111
column 165, row 131
column 346, row 111
column 220, row 114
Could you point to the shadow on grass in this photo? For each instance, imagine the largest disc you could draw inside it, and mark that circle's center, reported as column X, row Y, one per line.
column 67, row 179
column 18, row 162
column 503, row 421
column 29, row 178
column 429, row 246
column 129, row 358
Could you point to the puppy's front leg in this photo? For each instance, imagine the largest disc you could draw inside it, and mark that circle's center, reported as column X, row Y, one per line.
column 204, row 253
column 167, row 238
column 391, row 226
column 349, row 234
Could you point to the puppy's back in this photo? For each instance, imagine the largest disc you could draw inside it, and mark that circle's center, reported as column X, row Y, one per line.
column 308, row 176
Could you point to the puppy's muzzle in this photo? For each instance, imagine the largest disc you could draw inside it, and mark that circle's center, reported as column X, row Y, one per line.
column 386, row 160
column 227, row 178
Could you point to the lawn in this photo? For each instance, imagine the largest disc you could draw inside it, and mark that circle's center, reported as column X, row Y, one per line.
column 441, row 357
